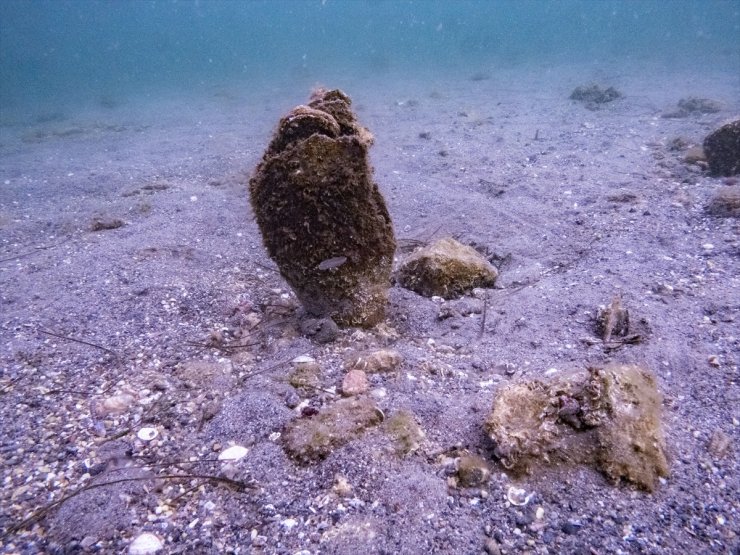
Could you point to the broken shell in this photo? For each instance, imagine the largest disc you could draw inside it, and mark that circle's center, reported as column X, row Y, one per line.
column 303, row 359
column 147, row 434
column 145, row 544
column 518, row 496
column 233, row 453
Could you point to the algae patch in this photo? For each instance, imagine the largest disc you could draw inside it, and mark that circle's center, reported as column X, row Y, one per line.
column 405, row 432
column 314, row 438
column 608, row 418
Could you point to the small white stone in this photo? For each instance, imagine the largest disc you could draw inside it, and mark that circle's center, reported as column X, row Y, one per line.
column 193, row 198
column 707, row 246
column 145, row 544
column 289, row 523
column 147, row 434
column 303, row 359
column 233, row 453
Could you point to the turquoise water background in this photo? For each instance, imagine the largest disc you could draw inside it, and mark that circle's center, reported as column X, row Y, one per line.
column 84, row 50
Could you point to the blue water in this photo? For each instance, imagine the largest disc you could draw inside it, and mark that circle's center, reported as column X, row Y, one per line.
column 82, row 51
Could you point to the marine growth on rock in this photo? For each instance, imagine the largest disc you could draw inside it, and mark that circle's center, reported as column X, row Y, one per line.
column 322, row 217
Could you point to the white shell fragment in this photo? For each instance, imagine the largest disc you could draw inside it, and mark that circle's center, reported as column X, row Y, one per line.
column 518, row 496
column 303, row 359
column 144, row 544
column 233, row 453
column 147, row 434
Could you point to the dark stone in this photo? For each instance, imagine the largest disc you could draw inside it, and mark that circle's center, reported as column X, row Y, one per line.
column 722, row 149
column 571, row 528
column 102, row 224
column 594, row 96
column 321, row 330
column 725, row 203
column 322, row 217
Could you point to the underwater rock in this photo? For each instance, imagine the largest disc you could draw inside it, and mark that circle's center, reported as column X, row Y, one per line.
column 104, row 224
column 321, row 215
column 354, row 383
column 472, row 471
column 722, row 149
column 725, row 203
column 447, row 269
column 594, row 96
column 315, row 437
column 694, row 105
column 695, row 155
column 383, row 360
column 321, row 330
column 306, row 373
column 405, row 432
column 608, row 418
column 612, row 320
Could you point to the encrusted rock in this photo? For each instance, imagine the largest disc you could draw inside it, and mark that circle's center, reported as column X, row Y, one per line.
column 472, row 471
column 612, row 320
column 383, row 360
column 313, row 438
column 609, row 418
column 725, row 203
column 694, row 105
column 594, row 96
column 306, row 373
column 447, row 269
column 114, row 405
column 322, row 217
column 354, row 383
column 405, row 432
column 722, row 149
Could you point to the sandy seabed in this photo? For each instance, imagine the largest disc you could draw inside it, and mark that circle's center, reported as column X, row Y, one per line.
column 178, row 315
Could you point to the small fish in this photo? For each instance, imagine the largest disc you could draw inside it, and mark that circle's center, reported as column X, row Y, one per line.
column 331, row 263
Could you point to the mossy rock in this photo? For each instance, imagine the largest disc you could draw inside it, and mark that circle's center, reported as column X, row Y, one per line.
column 314, row 438
column 725, row 203
column 722, row 149
column 446, row 269
column 321, row 215
column 405, row 432
column 608, row 418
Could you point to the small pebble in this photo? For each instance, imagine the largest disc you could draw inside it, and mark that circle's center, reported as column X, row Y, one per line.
column 145, row 544
column 491, row 547
column 354, row 383
column 571, row 528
